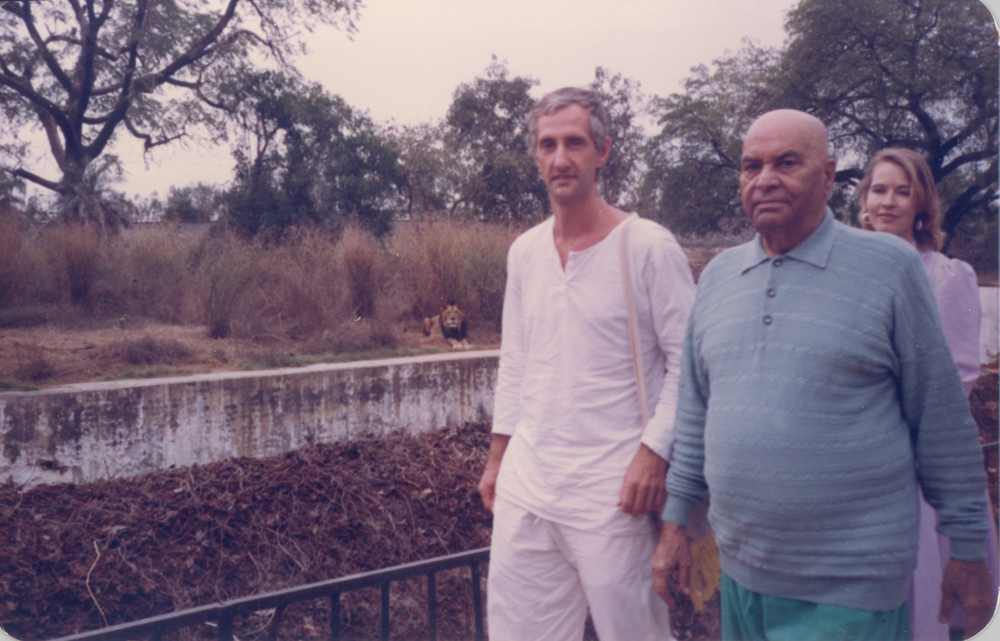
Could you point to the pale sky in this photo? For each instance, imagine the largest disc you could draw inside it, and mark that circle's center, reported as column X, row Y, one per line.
column 408, row 56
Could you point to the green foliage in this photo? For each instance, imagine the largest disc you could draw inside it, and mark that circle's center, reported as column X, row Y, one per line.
column 310, row 158
column 197, row 204
column 85, row 71
column 431, row 178
column 921, row 74
column 11, row 195
column 93, row 199
column 694, row 162
column 621, row 174
column 486, row 129
column 918, row 73
column 479, row 161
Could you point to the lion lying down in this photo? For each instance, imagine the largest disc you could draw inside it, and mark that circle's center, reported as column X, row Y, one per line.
column 449, row 325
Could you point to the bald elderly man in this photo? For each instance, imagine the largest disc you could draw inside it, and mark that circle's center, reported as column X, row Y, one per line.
column 817, row 396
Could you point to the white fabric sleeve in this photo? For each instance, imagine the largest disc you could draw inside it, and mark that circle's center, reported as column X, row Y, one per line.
column 513, row 352
column 667, row 279
column 957, row 295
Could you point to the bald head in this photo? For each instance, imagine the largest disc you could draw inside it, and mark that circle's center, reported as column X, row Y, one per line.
column 806, row 130
column 786, row 175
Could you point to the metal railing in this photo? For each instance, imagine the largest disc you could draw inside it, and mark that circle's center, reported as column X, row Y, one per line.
column 223, row 614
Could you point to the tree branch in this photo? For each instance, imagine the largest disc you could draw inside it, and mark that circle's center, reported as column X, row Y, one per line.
column 120, row 111
column 39, row 101
column 193, row 54
column 972, row 156
column 147, row 140
column 50, row 60
column 35, row 178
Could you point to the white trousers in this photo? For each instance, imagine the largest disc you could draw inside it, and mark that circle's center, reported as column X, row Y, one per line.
column 544, row 575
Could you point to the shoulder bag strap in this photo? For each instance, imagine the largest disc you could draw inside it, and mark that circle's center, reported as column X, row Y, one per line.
column 633, row 324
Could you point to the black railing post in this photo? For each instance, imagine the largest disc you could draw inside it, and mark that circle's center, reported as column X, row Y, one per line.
column 225, row 632
column 477, row 601
column 335, row 616
column 432, row 608
column 385, row 611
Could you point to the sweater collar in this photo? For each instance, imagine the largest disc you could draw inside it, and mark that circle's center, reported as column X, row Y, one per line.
column 814, row 250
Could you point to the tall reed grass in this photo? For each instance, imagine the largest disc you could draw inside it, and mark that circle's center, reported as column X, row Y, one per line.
column 464, row 262
column 334, row 292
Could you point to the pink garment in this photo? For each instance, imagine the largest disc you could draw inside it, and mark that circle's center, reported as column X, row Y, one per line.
column 957, row 295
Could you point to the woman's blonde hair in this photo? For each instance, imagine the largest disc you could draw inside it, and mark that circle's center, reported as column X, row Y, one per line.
column 922, row 188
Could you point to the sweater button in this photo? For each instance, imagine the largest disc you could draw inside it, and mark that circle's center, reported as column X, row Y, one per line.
column 767, row 320
column 771, row 293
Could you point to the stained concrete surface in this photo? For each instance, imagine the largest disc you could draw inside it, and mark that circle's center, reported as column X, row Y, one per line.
column 93, row 431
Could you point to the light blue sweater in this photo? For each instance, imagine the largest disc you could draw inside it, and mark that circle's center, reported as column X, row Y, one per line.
column 810, row 385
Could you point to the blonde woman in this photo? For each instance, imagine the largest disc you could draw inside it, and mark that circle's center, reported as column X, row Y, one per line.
column 898, row 196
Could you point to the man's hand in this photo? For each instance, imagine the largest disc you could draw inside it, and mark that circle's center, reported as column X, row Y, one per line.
column 644, row 489
column 968, row 583
column 488, row 482
column 671, row 554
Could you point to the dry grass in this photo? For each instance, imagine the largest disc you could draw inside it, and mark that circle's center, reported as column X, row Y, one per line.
column 76, row 255
column 464, row 262
column 157, row 279
column 11, row 241
column 311, row 285
column 148, row 351
column 314, row 295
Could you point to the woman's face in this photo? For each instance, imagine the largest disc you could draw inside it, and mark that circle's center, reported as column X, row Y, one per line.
column 890, row 202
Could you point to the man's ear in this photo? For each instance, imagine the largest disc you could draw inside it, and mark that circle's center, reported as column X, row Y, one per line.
column 605, row 152
column 829, row 175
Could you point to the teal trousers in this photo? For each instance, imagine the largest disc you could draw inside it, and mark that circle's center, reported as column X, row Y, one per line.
column 750, row 616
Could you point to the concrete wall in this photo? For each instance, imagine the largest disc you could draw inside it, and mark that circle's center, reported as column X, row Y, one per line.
column 104, row 430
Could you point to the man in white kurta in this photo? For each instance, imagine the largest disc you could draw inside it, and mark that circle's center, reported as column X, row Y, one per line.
column 573, row 475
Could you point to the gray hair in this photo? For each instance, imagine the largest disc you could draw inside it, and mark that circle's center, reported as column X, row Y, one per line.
column 553, row 101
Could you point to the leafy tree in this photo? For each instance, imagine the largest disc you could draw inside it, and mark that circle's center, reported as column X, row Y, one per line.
column 916, row 73
column 621, row 174
column 486, row 129
column 197, row 204
column 85, row 70
column 10, row 201
column 308, row 157
column 694, row 162
column 432, row 178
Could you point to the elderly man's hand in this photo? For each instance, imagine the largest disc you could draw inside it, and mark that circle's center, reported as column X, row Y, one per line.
column 968, row 583
column 672, row 554
column 644, row 489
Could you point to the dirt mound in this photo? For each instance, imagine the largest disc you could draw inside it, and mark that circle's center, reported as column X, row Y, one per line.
column 74, row 557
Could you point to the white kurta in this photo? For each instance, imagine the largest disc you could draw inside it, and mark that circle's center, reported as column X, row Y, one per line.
column 566, row 392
